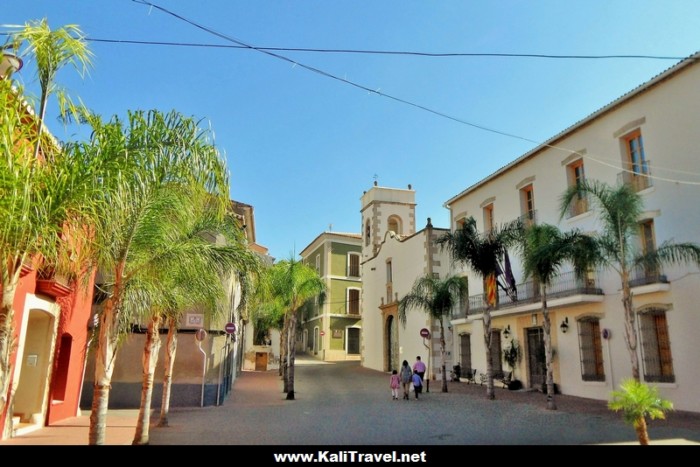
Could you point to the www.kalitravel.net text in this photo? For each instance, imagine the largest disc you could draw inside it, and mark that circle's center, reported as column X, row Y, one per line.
column 351, row 456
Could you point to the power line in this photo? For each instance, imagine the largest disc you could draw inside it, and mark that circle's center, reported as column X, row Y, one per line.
column 386, row 52
column 243, row 45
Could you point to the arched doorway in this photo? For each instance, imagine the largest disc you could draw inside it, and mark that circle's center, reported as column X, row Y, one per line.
column 391, row 351
column 34, row 363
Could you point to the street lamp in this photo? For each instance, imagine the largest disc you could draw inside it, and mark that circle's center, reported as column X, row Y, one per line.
column 9, row 64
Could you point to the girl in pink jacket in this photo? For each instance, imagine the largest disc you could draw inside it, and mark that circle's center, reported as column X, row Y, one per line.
column 394, row 384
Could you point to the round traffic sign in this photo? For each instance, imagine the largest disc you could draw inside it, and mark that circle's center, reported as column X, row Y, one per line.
column 425, row 332
column 230, row 328
column 200, row 335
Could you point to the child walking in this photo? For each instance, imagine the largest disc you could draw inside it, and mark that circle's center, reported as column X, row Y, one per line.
column 394, row 384
column 417, row 383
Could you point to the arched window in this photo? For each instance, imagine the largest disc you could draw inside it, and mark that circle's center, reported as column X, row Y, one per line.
column 394, row 224
column 367, row 232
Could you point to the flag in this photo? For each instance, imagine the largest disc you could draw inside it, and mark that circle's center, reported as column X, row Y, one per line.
column 491, row 289
column 510, row 280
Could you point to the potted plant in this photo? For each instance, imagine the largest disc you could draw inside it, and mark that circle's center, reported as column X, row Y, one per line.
column 512, row 356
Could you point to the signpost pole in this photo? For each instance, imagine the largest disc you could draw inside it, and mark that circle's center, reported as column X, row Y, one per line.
column 425, row 333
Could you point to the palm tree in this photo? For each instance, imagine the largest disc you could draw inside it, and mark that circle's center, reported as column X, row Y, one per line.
column 41, row 207
column 437, row 298
column 619, row 210
column 53, row 50
column 190, row 273
column 545, row 250
column 637, row 401
column 481, row 252
column 291, row 283
column 156, row 160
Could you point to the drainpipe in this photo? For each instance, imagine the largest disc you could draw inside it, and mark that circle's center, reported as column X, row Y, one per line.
column 95, row 321
column 200, row 335
column 222, row 362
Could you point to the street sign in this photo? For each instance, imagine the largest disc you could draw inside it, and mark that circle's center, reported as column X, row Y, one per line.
column 230, row 328
column 424, row 332
column 323, row 333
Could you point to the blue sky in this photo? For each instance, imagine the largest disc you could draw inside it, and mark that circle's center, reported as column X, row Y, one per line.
column 302, row 146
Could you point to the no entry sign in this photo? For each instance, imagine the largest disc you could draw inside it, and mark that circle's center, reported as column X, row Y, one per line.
column 230, row 328
column 424, row 332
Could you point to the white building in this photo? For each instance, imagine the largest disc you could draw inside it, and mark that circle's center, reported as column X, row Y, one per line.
column 648, row 137
column 394, row 255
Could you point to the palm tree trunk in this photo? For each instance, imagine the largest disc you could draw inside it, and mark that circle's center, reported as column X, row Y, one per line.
column 40, row 124
column 291, row 333
column 8, row 339
column 490, row 390
column 640, row 426
column 284, row 352
column 170, row 349
column 105, row 356
column 630, row 328
column 149, row 362
column 547, row 325
column 7, row 343
column 442, row 356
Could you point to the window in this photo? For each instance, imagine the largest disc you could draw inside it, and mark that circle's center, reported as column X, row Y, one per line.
column 636, row 165
column 575, row 177
column 647, row 236
column 318, row 263
column 495, row 354
column 353, row 307
column 591, row 349
column 465, row 353
column 649, row 273
column 367, row 231
column 61, row 377
column 389, row 285
column 656, row 347
column 394, row 225
column 354, row 264
column 527, row 205
column 488, row 218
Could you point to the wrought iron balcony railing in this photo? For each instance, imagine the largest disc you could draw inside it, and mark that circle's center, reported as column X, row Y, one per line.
column 645, row 276
column 638, row 175
column 564, row 285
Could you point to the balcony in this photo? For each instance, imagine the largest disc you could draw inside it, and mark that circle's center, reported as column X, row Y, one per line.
column 52, row 284
column 389, row 293
column 642, row 276
column 578, row 206
column 638, row 175
column 529, row 218
column 26, row 268
column 527, row 295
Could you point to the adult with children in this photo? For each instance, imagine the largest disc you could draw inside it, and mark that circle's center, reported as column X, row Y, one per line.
column 406, row 378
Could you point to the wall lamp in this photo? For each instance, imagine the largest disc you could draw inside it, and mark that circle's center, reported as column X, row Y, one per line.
column 564, row 325
column 506, row 332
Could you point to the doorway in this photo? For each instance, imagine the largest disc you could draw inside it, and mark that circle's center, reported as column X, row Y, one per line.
column 31, row 398
column 537, row 369
column 392, row 344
